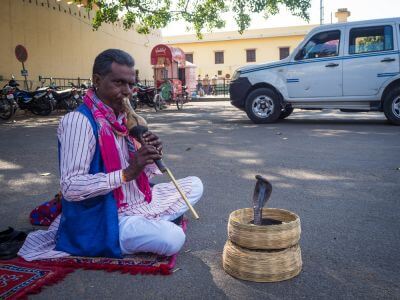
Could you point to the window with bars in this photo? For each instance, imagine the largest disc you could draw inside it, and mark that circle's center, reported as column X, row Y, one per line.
column 283, row 52
column 189, row 57
column 250, row 55
column 219, row 57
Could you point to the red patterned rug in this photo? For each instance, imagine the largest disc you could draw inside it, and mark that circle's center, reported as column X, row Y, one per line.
column 19, row 278
column 141, row 263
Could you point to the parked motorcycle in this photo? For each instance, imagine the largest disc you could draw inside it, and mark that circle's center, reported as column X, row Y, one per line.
column 145, row 95
column 39, row 102
column 8, row 105
column 78, row 92
column 134, row 98
column 63, row 99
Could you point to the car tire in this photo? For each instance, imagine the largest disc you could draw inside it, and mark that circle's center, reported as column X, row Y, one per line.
column 286, row 112
column 179, row 102
column 133, row 102
column 8, row 109
column 391, row 106
column 157, row 102
column 263, row 106
column 43, row 107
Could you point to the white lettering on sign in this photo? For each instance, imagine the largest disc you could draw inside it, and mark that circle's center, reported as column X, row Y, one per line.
column 161, row 50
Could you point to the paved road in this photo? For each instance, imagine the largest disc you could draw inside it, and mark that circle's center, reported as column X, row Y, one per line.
column 338, row 171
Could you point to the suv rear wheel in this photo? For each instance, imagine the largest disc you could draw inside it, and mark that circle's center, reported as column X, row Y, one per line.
column 391, row 106
column 263, row 106
column 286, row 112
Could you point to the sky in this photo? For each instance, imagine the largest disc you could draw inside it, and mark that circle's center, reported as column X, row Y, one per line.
column 359, row 9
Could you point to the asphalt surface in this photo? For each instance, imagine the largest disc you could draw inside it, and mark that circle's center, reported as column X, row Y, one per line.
column 337, row 171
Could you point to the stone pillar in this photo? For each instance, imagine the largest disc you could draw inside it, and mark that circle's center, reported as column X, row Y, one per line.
column 342, row 14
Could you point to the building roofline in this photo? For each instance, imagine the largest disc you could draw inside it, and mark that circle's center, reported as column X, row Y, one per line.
column 234, row 35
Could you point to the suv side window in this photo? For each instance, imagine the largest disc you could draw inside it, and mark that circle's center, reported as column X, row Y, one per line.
column 323, row 44
column 371, row 39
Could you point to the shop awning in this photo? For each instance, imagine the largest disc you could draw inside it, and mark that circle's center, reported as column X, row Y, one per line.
column 164, row 55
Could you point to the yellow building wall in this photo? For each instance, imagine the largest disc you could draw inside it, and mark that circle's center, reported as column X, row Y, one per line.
column 267, row 50
column 61, row 42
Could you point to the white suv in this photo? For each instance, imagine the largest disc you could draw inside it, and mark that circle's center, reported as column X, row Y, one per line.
column 351, row 66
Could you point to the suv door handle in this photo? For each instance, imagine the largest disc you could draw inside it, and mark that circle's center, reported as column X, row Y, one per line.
column 388, row 59
column 331, row 65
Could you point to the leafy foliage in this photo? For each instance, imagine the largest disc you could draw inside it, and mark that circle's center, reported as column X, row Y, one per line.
column 146, row 15
column 370, row 43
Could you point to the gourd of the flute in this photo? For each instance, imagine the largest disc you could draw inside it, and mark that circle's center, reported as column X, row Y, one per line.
column 133, row 119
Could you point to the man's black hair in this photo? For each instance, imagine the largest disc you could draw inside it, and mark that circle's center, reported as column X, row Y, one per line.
column 103, row 61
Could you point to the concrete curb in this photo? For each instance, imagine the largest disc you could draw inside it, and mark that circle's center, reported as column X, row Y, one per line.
column 207, row 99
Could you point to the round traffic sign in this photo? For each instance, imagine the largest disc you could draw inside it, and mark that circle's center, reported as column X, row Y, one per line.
column 21, row 54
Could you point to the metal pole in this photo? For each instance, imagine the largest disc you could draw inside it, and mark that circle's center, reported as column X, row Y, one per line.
column 321, row 12
column 25, row 81
column 224, row 86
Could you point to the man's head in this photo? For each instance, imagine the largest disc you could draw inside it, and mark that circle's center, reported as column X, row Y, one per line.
column 113, row 77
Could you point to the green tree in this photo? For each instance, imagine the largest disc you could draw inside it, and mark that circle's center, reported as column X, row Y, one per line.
column 145, row 15
column 370, row 43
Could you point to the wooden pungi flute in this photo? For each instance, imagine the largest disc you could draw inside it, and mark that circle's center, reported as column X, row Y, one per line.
column 137, row 126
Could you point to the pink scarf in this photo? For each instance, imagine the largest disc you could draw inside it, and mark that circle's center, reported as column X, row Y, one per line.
column 108, row 126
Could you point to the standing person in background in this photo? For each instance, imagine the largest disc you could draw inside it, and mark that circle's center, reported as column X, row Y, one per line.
column 199, row 86
column 206, row 85
column 214, row 84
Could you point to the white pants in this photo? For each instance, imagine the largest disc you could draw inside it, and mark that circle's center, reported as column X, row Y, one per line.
column 139, row 234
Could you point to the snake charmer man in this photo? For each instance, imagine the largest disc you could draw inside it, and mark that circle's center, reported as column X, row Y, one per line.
column 108, row 206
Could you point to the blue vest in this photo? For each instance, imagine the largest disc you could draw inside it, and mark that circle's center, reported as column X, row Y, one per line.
column 90, row 227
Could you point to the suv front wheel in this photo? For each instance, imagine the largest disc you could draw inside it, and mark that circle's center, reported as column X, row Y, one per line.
column 391, row 106
column 263, row 106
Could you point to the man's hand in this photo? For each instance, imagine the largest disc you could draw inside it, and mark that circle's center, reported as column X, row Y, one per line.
column 146, row 155
column 150, row 138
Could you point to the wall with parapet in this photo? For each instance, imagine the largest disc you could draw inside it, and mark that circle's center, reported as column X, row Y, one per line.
column 61, row 42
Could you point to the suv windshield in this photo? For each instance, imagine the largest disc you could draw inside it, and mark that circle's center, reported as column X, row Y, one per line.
column 323, row 44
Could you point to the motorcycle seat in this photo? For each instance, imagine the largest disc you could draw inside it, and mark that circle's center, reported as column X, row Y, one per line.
column 61, row 92
column 28, row 93
column 146, row 89
column 44, row 88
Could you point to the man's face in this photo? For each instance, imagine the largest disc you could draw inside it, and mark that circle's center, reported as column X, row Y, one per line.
column 115, row 86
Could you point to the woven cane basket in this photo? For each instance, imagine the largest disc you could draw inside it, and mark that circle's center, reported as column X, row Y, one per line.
column 247, row 235
column 261, row 265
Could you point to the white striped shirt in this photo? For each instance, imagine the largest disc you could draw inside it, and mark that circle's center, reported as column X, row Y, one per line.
column 78, row 145
column 77, row 148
